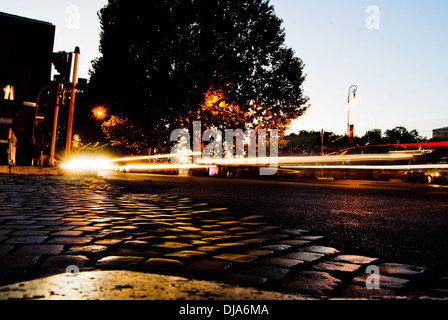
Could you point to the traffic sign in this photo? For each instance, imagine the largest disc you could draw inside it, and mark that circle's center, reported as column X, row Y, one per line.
column 40, row 117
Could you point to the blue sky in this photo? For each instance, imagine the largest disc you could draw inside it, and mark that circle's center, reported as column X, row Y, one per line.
column 400, row 68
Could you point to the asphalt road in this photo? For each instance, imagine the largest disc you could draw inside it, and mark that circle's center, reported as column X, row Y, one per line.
column 405, row 223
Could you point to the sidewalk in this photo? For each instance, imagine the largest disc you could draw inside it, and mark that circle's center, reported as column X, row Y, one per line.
column 125, row 243
column 29, row 170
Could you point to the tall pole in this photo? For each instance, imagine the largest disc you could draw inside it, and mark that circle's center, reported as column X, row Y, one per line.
column 322, row 142
column 72, row 105
column 55, row 124
column 352, row 90
column 348, row 118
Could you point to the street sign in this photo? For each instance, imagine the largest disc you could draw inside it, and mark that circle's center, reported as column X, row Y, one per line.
column 40, row 117
column 5, row 121
column 29, row 104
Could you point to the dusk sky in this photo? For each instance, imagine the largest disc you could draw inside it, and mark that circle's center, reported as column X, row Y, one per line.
column 394, row 51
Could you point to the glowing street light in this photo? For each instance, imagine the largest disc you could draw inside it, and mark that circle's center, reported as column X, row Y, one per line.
column 100, row 112
column 351, row 92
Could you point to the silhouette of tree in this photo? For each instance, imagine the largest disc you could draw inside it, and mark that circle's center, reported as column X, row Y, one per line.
column 402, row 135
column 372, row 138
column 161, row 64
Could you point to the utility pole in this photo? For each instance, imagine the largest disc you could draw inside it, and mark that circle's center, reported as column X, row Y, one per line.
column 55, row 124
column 350, row 128
column 322, row 142
column 72, row 105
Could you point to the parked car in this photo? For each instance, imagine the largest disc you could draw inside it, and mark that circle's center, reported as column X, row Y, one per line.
column 429, row 177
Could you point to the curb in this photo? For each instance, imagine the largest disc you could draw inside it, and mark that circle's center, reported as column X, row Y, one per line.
column 29, row 170
column 130, row 285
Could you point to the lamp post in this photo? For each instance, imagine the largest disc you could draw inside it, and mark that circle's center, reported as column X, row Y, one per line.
column 72, row 105
column 351, row 92
column 55, row 123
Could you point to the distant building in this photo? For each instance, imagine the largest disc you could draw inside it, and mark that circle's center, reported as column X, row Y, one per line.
column 26, row 48
column 440, row 134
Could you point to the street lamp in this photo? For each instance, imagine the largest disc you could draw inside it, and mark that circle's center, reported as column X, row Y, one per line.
column 100, row 112
column 351, row 92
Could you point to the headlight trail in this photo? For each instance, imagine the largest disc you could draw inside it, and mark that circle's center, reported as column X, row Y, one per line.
column 161, row 166
column 312, row 159
column 162, row 156
column 378, row 161
column 372, row 167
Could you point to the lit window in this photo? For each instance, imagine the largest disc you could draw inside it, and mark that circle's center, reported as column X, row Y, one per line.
column 9, row 92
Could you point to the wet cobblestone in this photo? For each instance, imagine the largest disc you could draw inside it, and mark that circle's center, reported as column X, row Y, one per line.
column 49, row 223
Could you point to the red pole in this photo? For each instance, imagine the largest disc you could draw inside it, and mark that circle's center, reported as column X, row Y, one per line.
column 55, row 125
column 72, row 105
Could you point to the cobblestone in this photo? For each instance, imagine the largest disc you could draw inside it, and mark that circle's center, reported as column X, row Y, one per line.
column 304, row 256
column 384, row 281
column 40, row 249
column 18, row 261
column 120, row 261
column 312, row 282
column 5, row 249
column 400, row 270
column 320, row 249
column 239, row 258
column 281, row 262
column 87, row 222
column 334, row 266
column 71, row 240
column 209, row 267
column 63, row 261
column 355, row 259
column 272, row 273
column 92, row 249
column 163, row 265
column 243, row 280
column 30, row 233
column 25, row 239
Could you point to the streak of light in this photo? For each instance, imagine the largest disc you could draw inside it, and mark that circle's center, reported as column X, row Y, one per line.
column 297, row 162
column 311, row 159
column 162, row 156
column 370, row 167
column 161, row 166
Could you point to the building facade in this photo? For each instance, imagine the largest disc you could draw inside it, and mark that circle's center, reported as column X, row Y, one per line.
column 440, row 134
column 26, row 48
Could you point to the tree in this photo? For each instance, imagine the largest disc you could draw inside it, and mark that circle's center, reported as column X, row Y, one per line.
column 402, row 135
column 310, row 142
column 222, row 62
column 372, row 137
column 123, row 132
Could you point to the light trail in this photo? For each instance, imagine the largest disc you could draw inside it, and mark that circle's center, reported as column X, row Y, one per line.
column 296, row 162
column 162, row 166
column 162, row 156
column 395, row 156
column 88, row 164
column 373, row 167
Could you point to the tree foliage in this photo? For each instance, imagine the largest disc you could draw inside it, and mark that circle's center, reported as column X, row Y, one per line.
column 125, row 133
column 372, row 138
column 310, row 141
column 402, row 135
column 223, row 62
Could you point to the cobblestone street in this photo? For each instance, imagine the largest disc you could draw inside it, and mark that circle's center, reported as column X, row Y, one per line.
column 50, row 223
